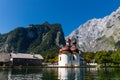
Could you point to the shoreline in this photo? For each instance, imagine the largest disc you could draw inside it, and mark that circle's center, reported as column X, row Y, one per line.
column 47, row 66
column 20, row 67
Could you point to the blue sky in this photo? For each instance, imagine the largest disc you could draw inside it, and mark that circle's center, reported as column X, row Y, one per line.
column 70, row 13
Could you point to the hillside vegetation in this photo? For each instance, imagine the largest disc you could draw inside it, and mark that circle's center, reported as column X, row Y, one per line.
column 44, row 39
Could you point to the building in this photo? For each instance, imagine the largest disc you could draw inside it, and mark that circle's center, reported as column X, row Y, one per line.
column 4, row 59
column 20, row 59
column 69, row 55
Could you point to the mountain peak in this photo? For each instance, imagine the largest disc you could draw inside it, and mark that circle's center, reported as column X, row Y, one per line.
column 98, row 34
column 46, row 23
column 118, row 10
column 35, row 38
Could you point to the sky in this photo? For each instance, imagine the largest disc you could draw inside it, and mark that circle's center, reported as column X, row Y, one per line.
column 69, row 13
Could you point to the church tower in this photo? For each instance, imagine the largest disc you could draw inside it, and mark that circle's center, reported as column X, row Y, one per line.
column 75, row 56
column 69, row 54
column 65, row 54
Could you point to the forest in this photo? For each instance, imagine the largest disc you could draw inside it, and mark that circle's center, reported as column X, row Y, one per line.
column 103, row 58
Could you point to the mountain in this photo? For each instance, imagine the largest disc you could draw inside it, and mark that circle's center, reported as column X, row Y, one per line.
column 99, row 34
column 41, row 39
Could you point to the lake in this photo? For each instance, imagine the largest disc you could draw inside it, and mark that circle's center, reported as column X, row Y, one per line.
column 60, row 74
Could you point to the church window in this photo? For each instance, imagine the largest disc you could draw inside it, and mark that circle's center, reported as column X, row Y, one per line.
column 60, row 58
column 73, row 57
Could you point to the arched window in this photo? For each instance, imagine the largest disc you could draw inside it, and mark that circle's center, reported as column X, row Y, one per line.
column 73, row 57
column 60, row 58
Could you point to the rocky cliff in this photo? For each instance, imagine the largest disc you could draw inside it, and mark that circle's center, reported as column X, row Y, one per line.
column 99, row 34
column 40, row 39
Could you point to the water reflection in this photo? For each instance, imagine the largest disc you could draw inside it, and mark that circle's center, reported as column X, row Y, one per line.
column 29, row 74
column 109, row 74
column 3, row 75
column 25, row 74
column 60, row 74
column 70, row 73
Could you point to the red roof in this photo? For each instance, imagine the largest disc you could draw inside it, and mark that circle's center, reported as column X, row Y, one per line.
column 69, row 49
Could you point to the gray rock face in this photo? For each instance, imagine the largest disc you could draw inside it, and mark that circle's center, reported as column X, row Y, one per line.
column 35, row 38
column 99, row 34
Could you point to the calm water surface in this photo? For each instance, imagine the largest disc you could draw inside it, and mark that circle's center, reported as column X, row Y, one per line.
column 60, row 74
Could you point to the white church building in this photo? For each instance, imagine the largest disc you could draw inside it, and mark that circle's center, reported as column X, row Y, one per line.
column 69, row 55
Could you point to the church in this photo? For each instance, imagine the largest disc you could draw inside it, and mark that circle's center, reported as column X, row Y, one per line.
column 69, row 55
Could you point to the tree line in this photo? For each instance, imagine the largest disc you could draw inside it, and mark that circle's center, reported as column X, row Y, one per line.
column 104, row 58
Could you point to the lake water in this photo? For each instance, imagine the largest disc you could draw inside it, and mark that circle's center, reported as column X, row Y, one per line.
column 60, row 74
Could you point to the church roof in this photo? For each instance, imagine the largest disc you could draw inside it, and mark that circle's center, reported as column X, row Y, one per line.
column 68, row 48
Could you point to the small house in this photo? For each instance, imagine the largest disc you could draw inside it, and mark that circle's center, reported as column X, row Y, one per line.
column 20, row 59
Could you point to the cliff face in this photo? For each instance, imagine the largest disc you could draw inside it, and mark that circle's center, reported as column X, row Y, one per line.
column 35, row 38
column 99, row 34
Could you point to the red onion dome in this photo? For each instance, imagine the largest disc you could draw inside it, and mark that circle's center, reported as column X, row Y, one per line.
column 74, row 42
column 60, row 51
column 68, row 40
column 66, row 48
column 74, row 49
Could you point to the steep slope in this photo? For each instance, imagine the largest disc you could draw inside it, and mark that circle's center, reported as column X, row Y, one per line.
column 99, row 34
column 35, row 38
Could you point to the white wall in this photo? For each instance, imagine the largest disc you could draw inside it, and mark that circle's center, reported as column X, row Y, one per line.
column 75, row 60
column 64, row 60
column 68, row 60
column 64, row 73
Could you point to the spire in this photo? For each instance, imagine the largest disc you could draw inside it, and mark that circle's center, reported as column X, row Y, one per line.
column 74, row 43
column 66, row 48
column 68, row 41
column 73, row 48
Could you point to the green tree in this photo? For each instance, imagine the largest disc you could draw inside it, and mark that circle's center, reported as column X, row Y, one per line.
column 88, row 57
column 116, row 57
column 103, row 57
